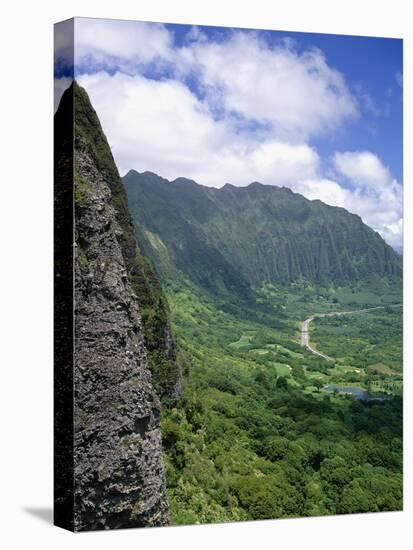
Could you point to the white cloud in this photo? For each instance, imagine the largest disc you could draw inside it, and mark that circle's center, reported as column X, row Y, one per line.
column 377, row 211
column 256, row 110
column 147, row 131
column 59, row 86
column 297, row 95
column 163, row 127
column 363, row 169
column 323, row 189
column 366, row 188
column 127, row 41
column 300, row 95
column 64, row 44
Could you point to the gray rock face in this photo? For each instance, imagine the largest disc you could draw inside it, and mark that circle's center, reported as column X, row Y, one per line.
column 119, row 472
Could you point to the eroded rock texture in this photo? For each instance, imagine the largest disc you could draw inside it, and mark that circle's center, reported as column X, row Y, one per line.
column 119, row 473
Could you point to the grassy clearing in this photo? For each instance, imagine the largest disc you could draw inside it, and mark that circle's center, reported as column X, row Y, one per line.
column 253, row 435
column 244, row 343
column 281, row 368
column 381, row 369
column 286, row 351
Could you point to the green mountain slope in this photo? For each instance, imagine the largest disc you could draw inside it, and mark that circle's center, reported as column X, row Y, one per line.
column 237, row 238
column 153, row 306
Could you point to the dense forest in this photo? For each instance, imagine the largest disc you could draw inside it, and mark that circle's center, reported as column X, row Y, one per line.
column 255, row 436
column 255, row 426
column 189, row 310
column 264, row 428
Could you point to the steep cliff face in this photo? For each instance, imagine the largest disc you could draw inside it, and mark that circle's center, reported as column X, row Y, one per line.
column 119, row 472
column 160, row 340
column 233, row 239
column 154, row 310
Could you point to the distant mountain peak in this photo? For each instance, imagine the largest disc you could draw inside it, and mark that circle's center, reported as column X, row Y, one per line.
column 238, row 238
column 186, row 181
column 132, row 172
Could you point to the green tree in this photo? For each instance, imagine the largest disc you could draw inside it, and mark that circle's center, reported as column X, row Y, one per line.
column 318, row 384
column 282, row 383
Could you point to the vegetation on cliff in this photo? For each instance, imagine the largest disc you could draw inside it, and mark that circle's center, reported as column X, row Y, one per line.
column 117, row 470
column 256, row 433
column 153, row 306
column 233, row 239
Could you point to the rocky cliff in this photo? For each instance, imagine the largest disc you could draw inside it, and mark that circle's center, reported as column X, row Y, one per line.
column 154, row 310
column 119, row 472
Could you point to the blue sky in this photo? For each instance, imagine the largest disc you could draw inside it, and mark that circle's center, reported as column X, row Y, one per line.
column 321, row 114
column 373, row 67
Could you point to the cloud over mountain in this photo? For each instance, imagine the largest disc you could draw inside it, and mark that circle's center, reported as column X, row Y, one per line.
column 231, row 108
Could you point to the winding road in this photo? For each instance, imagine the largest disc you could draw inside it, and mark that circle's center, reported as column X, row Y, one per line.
column 305, row 326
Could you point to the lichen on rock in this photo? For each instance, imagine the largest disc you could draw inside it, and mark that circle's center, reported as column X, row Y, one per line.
column 119, row 478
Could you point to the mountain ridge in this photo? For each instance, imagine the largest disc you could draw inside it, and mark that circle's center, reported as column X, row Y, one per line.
column 282, row 235
column 254, row 184
column 257, row 184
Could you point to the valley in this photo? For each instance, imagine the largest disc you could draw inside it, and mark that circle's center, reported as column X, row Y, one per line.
column 228, row 274
column 256, row 434
column 267, row 426
column 305, row 326
column 195, row 308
